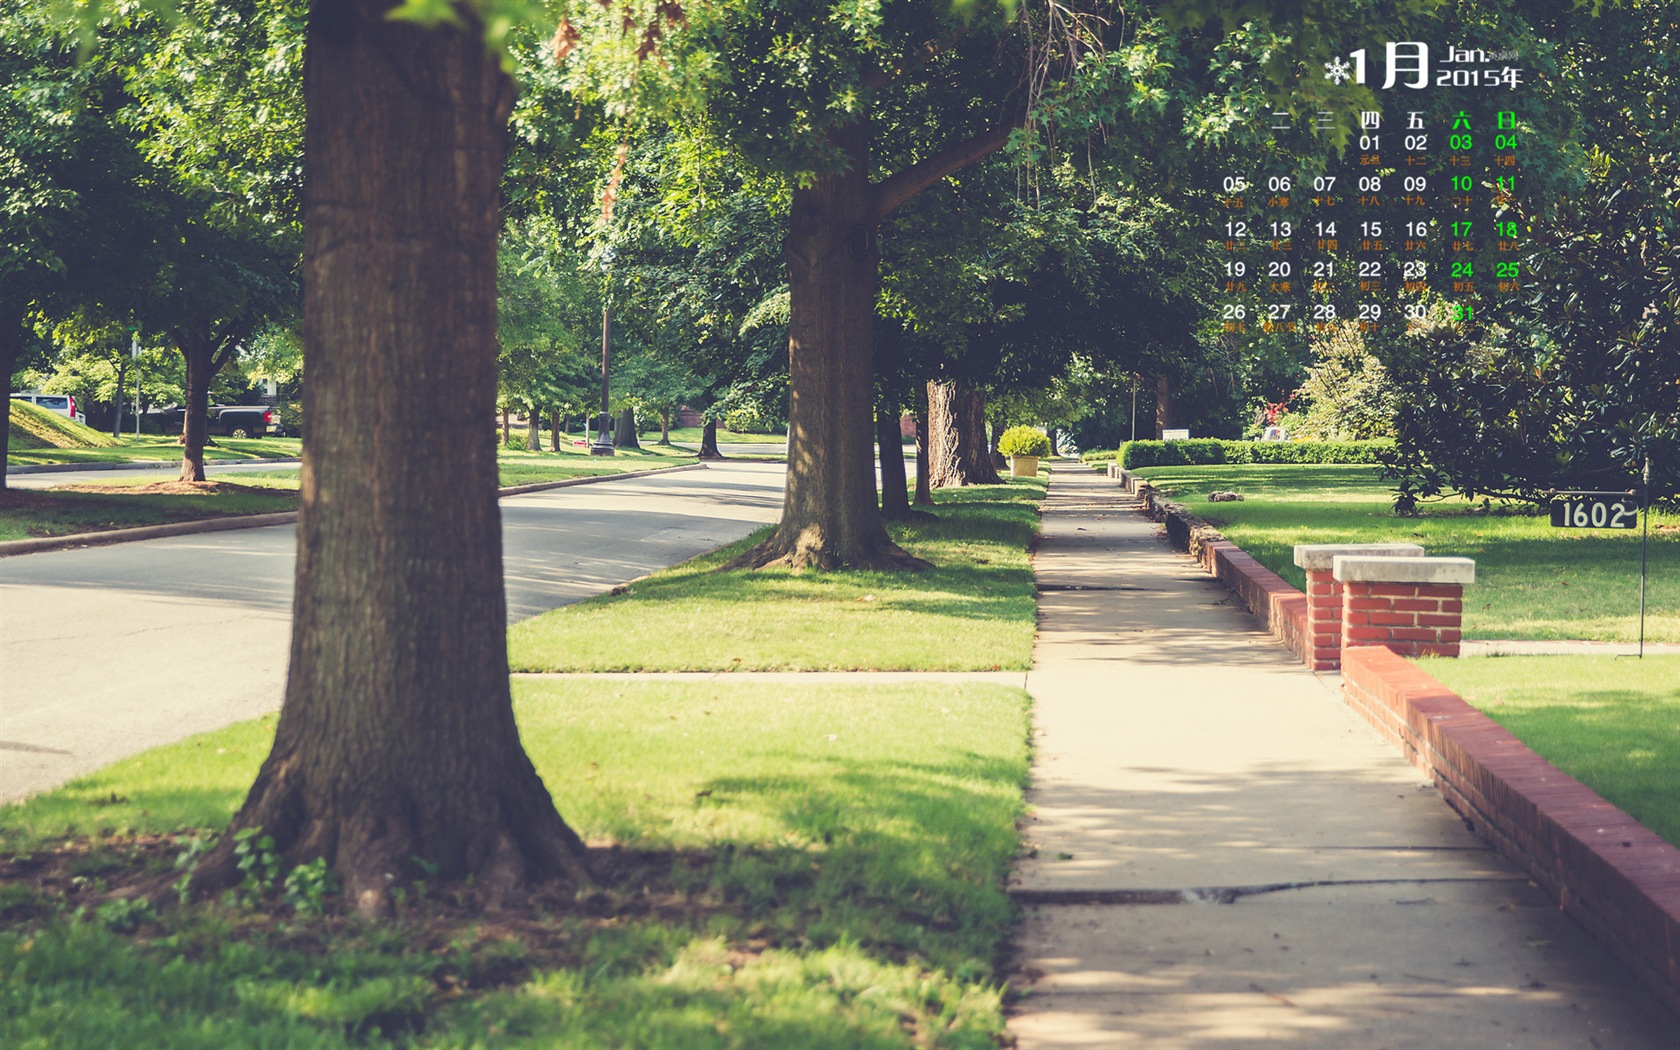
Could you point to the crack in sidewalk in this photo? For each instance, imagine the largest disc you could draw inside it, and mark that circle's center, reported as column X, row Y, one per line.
column 1224, row 894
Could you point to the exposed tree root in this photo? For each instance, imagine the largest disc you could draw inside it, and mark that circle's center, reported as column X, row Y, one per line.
column 805, row 550
column 522, row 842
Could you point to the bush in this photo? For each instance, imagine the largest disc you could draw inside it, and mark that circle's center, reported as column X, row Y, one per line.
column 1196, row 452
column 1100, row 456
column 1023, row 441
column 746, row 420
column 1200, row 452
column 1306, row 451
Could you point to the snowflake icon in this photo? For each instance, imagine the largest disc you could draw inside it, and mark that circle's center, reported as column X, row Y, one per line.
column 1336, row 71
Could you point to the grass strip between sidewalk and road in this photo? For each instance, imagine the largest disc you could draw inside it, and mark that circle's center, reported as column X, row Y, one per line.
column 1613, row 723
column 120, row 502
column 1532, row 581
column 975, row 610
column 811, row 866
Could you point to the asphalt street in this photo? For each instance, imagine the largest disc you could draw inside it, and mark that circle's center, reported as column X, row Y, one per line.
column 107, row 651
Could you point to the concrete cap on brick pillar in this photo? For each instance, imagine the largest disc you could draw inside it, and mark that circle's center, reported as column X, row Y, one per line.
column 1346, row 568
column 1319, row 555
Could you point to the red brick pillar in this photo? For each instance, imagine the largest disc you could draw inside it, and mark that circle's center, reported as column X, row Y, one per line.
column 1415, row 606
column 1323, row 643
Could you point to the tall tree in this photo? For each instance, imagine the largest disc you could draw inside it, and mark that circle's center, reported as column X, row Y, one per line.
column 396, row 745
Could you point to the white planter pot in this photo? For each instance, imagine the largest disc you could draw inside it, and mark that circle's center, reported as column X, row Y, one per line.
column 1023, row 466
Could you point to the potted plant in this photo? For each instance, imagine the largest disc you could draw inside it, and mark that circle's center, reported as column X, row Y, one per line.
column 1024, row 446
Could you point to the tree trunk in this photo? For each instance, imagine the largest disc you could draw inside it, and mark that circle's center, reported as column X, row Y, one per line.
column 958, row 451
column 895, row 498
column 197, row 349
column 924, row 486
column 533, row 429
column 396, row 748
column 624, row 434
column 117, row 405
column 665, row 426
column 507, row 426
column 708, row 440
column 1163, row 407
column 829, row 514
column 11, row 346
column 554, row 419
column 999, row 425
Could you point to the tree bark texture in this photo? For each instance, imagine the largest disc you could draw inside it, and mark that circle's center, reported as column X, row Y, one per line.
column 708, row 440
column 396, row 747
column 554, row 419
column 624, row 434
column 924, row 487
column 205, row 355
column 1163, row 407
column 895, row 497
column 533, row 429
column 664, row 426
column 958, row 452
column 830, row 517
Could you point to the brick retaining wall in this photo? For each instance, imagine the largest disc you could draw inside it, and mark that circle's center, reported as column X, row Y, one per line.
column 1613, row 875
column 1616, row 877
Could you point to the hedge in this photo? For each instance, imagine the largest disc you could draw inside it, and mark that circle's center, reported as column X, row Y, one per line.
column 1200, row 451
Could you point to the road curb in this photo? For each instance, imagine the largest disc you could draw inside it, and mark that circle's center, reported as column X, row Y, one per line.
column 43, row 544
column 137, row 464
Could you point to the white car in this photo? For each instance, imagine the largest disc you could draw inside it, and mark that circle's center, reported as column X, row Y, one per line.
column 63, row 404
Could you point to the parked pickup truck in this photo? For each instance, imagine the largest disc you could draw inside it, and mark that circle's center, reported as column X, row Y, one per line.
column 237, row 421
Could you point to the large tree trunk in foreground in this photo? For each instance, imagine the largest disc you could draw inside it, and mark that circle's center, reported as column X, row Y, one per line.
column 624, row 434
column 958, row 450
column 924, row 489
column 895, row 497
column 708, row 440
column 396, row 747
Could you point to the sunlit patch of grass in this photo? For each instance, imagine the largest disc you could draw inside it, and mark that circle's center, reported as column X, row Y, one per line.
column 836, row 879
column 974, row 610
column 1611, row 723
column 1532, row 581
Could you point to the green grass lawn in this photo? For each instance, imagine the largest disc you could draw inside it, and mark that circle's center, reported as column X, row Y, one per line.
column 801, row 867
column 691, row 436
column 1532, row 581
column 60, row 512
column 65, row 511
column 130, row 448
column 975, row 610
column 1611, row 723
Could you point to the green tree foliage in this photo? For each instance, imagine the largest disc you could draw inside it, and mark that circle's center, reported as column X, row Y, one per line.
column 1579, row 383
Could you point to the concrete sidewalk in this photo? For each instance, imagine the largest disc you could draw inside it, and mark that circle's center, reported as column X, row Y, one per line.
column 1223, row 855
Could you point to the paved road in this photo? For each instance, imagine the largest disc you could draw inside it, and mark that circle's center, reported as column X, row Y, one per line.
column 106, row 651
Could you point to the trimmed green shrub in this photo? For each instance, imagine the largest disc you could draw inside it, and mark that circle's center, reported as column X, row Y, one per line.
column 1305, row 451
column 1195, row 452
column 1024, row 441
column 1205, row 451
column 1100, row 456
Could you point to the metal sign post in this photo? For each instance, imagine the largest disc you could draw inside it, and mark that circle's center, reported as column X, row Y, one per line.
column 1610, row 509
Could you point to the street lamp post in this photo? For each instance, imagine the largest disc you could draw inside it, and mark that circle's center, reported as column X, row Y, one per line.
column 603, row 445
